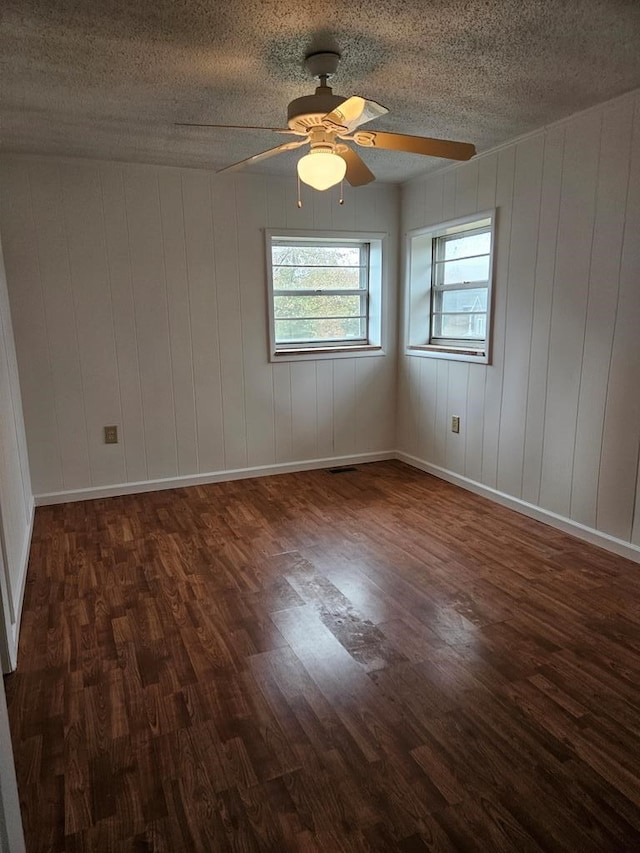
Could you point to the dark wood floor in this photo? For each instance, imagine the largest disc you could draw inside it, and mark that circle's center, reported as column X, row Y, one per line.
column 369, row 661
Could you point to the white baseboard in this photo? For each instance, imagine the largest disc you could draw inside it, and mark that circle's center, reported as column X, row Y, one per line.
column 581, row 531
column 202, row 479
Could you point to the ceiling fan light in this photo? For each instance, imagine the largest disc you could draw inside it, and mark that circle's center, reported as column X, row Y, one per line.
column 321, row 169
column 350, row 110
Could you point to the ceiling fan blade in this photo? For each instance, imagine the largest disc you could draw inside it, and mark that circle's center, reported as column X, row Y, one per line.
column 264, row 155
column 415, row 144
column 358, row 173
column 236, row 127
column 355, row 111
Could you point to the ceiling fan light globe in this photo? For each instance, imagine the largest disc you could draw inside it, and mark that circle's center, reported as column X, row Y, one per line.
column 321, row 169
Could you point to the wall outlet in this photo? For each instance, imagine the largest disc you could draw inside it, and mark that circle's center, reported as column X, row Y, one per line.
column 111, row 435
column 455, row 424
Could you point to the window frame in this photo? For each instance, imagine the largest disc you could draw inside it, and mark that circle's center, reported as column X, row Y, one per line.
column 371, row 296
column 421, row 291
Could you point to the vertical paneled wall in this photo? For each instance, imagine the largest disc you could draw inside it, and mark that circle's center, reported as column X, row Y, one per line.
column 555, row 419
column 138, row 297
column 16, row 500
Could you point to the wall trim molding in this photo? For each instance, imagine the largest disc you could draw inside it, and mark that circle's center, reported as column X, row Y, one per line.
column 95, row 492
column 561, row 522
column 9, row 648
column 24, row 565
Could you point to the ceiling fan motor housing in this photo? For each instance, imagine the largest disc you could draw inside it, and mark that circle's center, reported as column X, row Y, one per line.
column 308, row 111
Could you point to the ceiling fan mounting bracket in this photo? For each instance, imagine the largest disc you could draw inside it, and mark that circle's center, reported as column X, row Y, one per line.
column 323, row 64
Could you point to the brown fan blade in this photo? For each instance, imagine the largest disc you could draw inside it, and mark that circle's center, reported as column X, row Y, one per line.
column 415, row 144
column 358, row 173
column 264, row 155
column 353, row 112
column 236, row 127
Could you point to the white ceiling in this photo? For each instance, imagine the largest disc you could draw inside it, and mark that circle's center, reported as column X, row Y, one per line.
column 108, row 78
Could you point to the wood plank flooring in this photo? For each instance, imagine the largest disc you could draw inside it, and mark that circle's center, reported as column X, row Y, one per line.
column 367, row 661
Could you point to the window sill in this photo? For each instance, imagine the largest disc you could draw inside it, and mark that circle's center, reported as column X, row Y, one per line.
column 480, row 356
column 320, row 353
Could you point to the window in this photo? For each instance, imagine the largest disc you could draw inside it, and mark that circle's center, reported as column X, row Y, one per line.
column 450, row 272
column 459, row 286
column 324, row 293
column 320, row 292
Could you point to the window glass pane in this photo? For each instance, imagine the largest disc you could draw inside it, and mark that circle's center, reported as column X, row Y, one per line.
column 331, row 256
column 316, row 278
column 463, row 326
column 464, row 245
column 456, row 272
column 317, row 266
column 316, row 306
column 474, row 299
column 327, row 329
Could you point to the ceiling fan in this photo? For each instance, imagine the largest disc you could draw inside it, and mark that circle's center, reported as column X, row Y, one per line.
column 326, row 122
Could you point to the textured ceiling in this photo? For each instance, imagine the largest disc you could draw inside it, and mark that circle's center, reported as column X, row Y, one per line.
column 108, row 78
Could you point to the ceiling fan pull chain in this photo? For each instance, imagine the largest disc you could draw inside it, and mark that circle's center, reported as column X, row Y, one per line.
column 299, row 198
column 341, row 199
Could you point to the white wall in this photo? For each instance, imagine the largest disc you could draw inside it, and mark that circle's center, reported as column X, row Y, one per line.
column 16, row 501
column 555, row 420
column 138, row 297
